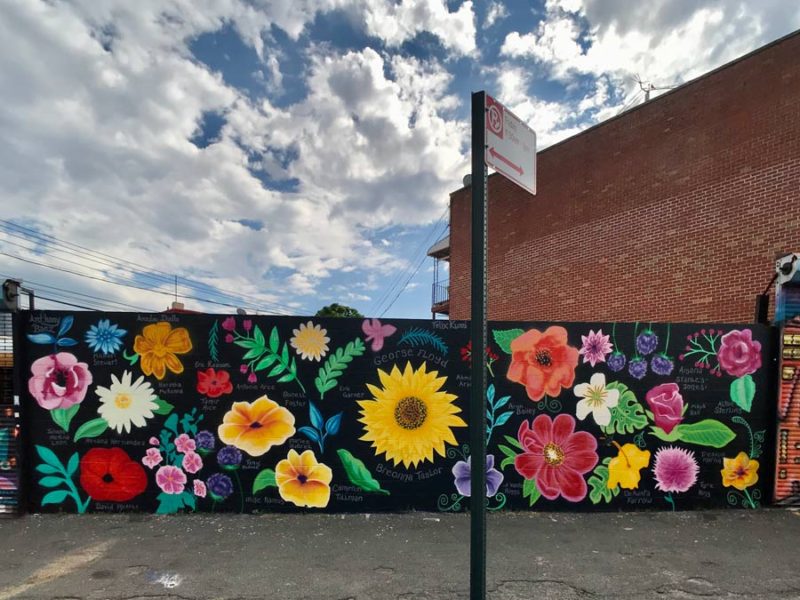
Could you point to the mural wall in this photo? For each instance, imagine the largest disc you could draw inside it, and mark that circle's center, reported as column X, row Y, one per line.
column 787, row 480
column 175, row 412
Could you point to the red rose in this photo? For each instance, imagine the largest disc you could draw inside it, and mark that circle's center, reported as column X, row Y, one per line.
column 739, row 354
column 213, row 383
column 109, row 474
column 666, row 403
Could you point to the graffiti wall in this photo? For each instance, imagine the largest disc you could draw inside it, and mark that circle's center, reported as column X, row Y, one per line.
column 175, row 412
column 787, row 480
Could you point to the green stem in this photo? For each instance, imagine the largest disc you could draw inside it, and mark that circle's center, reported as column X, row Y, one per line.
column 671, row 501
column 241, row 492
column 77, row 497
column 749, row 498
column 614, row 335
column 489, row 366
column 666, row 346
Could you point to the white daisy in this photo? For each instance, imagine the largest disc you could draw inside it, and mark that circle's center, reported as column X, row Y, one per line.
column 596, row 399
column 125, row 403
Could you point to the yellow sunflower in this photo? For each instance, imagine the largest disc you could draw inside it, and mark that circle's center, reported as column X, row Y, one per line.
column 310, row 341
column 410, row 417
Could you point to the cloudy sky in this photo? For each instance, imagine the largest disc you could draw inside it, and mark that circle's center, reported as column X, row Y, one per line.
column 285, row 154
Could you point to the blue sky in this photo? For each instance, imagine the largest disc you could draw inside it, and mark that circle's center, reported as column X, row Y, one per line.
column 286, row 154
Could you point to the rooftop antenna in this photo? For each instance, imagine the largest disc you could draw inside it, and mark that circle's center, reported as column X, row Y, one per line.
column 647, row 87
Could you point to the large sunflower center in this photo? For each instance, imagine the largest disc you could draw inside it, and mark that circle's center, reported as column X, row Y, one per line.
column 123, row 400
column 410, row 413
column 543, row 357
column 553, row 454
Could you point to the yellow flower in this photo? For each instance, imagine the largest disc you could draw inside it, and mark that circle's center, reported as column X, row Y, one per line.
column 310, row 341
column 157, row 346
column 256, row 427
column 303, row 481
column 740, row 472
column 410, row 417
column 623, row 470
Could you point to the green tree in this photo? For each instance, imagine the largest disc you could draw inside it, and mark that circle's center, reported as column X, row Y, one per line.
column 338, row 310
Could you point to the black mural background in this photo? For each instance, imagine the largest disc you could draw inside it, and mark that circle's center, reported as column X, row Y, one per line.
column 56, row 462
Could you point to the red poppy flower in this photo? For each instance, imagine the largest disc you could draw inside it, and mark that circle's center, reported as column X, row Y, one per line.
column 543, row 362
column 109, row 474
column 556, row 456
column 213, row 383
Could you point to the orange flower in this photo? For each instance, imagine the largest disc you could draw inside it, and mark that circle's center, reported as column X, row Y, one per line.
column 543, row 362
column 740, row 472
column 157, row 346
column 303, row 481
column 256, row 427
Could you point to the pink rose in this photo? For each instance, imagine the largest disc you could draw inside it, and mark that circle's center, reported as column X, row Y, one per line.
column 152, row 458
column 59, row 381
column 184, row 444
column 739, row 354
column 192, row 462
column 154, row 441
column 229, row 324
column 171, row 479
column 666, row 402
column 199, row 488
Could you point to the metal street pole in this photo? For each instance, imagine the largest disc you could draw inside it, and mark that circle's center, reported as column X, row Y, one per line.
column 477, row 425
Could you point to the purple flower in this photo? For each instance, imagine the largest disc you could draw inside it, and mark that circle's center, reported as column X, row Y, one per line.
column 646, row 342
column 616, row 362
column 661, row 364
column 675, row 469
column 462, row 471
column 595, row 347
column 229, row 458
column 205, row 441
column 219, row 486
column 638, row 367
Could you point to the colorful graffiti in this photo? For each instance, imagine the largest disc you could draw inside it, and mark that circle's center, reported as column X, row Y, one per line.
column 172, row 413
column 787, row 477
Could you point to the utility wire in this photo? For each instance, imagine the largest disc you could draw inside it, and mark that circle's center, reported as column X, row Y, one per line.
column 65, row 303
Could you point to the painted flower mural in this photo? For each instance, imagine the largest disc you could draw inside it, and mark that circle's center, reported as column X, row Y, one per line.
column 462, row 471
column 104, row 337
column 110, row 475
column 310, row 341
column 59, row 381
column 257, row 426
column 675, row 469
column 595, row 347
column 159, row 346
column 126, row 403
column 543, row 362
column 214, row 383
column 624, row 470
column 410, row 417
column 740, row 472
column 596, row 399
column 303, row 481
column 739, row 354
column 666, row 403
column 556, row 456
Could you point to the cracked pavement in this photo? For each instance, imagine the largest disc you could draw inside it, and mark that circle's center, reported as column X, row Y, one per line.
column 420, row 556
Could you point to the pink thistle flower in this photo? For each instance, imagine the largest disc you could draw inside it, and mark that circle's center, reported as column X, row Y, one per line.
column 229, row 338
column 152, row 458
column 247, row 324
column 229, row 324
column 252, row 378
column 154, row 441
column 675, row 469
column 199, row 488
column 171, row 479
column 184, row 443
column 243, row 369
column 595, row 347
column 192, row 462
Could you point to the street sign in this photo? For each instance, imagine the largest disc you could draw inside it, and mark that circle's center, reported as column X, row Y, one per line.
column 510, row 145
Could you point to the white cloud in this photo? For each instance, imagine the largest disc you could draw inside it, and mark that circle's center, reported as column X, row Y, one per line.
column 497, row 12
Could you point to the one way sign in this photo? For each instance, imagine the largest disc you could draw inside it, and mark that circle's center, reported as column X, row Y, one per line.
column 510, row 145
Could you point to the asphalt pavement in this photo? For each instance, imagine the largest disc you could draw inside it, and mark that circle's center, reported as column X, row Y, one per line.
column 709, row 554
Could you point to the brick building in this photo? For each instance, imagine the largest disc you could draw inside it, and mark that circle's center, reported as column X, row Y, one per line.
column 672, row 211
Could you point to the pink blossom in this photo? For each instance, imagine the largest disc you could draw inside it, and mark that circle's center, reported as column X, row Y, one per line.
column 229, row 324
column 171, row 479
column 243, row 369
column 192, row 462
column 247, row 324
column 184, row 443
column 666, row 402
column 199, row 488
column 154, row 441
column 229, row 338
column 739, row 354
column 252, row 378
column 59, row 381
column 675, row 469
column 152, row 458
column 595, row 347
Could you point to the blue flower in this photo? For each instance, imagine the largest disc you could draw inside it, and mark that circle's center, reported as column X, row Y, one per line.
column 105, row 337
column 646, row 342
column 229, row 458
column 661, row 364
column 219, row 486
column 638, row 367
column 616, row 362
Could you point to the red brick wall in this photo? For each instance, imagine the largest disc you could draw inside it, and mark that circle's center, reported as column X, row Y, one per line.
column 674, row 211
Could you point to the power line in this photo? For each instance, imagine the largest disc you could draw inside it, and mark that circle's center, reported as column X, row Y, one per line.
column 65, row 303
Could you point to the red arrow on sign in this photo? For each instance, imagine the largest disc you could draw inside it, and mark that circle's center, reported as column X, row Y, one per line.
column 499, row 156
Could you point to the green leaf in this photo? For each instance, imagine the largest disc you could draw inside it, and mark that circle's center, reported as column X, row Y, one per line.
column 531, row 491
column 63, row 416
column 169, row 504
column 358, row 474
column 598, row 482
column 264, row 479
column 743, row 390
column 55, row 497
column 253, row 352
column 337, row 362
column 274, row 340
column 72, row 465
column 172, row 423
column 672, row 436
column 164, row 407
column 189, row 500
column 504, row 337
column 287, row 377
column 248, row 343
column 277, row 370
column 514, row 442
column 508, row 460
column 265, row 362
column 49, row 457
column 628, row 415
column 708, row 432
column 91, row 429
column 51, row 481
column 47, row 469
